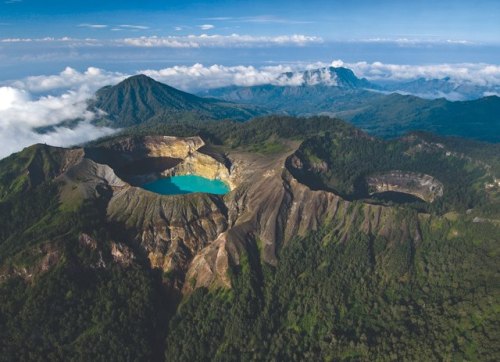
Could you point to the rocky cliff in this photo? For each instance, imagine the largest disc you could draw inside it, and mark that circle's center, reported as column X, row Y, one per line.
column 422, row 186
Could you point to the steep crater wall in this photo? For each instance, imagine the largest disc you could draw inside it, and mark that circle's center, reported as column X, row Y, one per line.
column 140, row 160
column 318, row 174
column 423, row 186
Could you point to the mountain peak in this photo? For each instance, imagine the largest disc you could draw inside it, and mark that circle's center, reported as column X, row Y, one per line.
column 140, row 98
column 139, row 80
column 328, row 76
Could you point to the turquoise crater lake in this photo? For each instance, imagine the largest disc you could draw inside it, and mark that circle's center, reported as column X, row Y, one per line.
column 186, row 184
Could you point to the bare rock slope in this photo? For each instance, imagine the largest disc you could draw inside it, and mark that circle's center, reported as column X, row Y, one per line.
column 195, row 238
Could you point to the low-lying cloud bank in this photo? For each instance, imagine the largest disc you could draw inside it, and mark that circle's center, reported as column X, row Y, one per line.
column 21, row 113
column 199, row 76
column 40, row 101
column 15, row 138
column 475, row 73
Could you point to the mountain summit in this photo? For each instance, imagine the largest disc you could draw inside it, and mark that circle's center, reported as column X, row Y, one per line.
column 139, row 99
column 329, row 76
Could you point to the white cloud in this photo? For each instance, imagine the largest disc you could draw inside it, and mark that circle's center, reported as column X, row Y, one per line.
column 14, row 138
column 206, row 27
column 415, row 41
column 17, row 106
column 134, row 27
column 39, row 40
column 21, row 112
column 93, row 26
column 233, row 40
column 473, row 73
column 91, row 79
column 198, row 76
column 187, row 41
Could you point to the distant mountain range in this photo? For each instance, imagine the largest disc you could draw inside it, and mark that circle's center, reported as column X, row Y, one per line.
column 345, row 78
column 395, row 114
column 442, row 88
column 335, row 92
column 338, row 92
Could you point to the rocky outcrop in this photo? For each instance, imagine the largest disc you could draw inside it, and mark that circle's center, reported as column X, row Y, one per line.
column 197, row 163
column 122, row 254
column 171, row 229
column 131, row 148
column 32, row 262
column 422, row 186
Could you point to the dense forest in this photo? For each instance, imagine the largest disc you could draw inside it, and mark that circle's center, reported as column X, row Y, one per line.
column 366, row 299
column 329, row 297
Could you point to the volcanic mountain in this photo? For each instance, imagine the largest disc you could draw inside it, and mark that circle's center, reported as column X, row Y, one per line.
column 330, row 242
column 140, row 99
column 331, row 76
column 304, row 93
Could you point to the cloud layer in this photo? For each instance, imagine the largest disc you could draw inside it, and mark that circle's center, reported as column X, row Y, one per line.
column 185, row 41
column 199, row 76
column 21, row 112
column 216, row 40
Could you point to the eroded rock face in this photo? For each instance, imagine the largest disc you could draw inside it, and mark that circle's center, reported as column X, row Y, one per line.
column 422, row 186
column 197, row 163
column 153, row 146
column 171, row 229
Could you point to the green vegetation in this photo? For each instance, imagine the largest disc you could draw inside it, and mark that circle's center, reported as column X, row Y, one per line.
column 368, row 298
column 86, row 306
column 76, row 312
column 259, row 130
column 379, row 114
column 28, row 168
column 298, row 100
column 341, row 164
column 390, row 296
column 396, row 114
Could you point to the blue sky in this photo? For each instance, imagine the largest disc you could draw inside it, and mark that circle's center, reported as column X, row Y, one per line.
column 333, row 20
column 45, row 36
